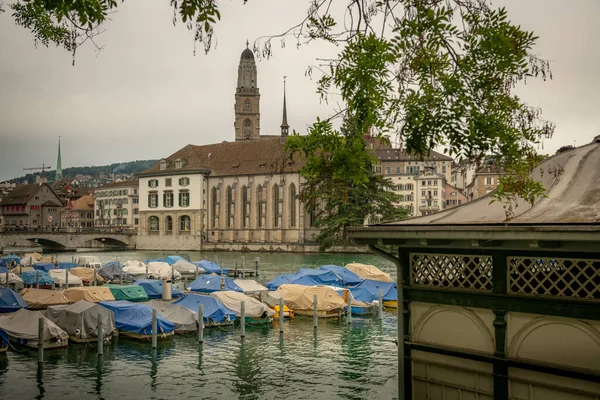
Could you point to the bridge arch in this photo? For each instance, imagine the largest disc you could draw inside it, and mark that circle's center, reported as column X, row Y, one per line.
column 47, row 243
column 110, row 241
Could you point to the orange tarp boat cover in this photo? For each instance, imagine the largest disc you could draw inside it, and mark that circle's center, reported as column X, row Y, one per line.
column 42, row 298
column 86, row 274
column 93, row 294
column 369, row 272
column 300, row 297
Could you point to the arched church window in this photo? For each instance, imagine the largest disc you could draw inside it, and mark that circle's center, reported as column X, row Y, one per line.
column 259, row 208
column 247, row 106
column 292, row 205
column 275, row 205
column 247, row 127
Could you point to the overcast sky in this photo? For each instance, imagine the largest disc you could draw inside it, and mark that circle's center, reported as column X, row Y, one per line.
column 145, row 95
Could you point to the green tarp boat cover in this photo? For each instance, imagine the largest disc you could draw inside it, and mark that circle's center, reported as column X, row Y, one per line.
column 128, row 292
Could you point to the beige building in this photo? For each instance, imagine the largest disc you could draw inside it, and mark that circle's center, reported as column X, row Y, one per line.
column 78, row 214
column 33, row 206
column 117, row 205
column 454, row 197
column 485, row 180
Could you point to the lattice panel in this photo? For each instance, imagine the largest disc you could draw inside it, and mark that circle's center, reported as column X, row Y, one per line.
column 453, row 271
column 562, row 277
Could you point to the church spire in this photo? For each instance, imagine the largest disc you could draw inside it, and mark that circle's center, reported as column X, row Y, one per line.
column 284, row 124
column 58, row 175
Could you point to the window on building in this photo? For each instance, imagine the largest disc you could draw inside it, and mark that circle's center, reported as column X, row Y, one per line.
column 184, row 181
column 168, row 199
column 247, row 127
column 435, row 183
column 398, row 170
column 400, row 187
column 312, row 218
column 245, row 205
column 435, row 193
column 213, row 206
column 135, row 200
column 423, row 193
column 163, row 165
column 388, row 170
column 153, row 223
column 136, row 210
column 230, row 206
column 178, row 164
column 168, row 182
column 136, row 221
column 292, row 205
column 259, row 208
column 428, row 183
column 135, row 191
column 435, row 203
column 275, row 205
column 184, row 199
column 153, row 183
column 153, row 200
column 423, row 183
column 185, row 223
column 443, row 169
column 247, row 106
column 489, row 181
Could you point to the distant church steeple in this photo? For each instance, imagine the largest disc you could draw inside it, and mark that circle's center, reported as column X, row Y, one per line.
column 58, row 175
column 247, row 99
column 285, row 128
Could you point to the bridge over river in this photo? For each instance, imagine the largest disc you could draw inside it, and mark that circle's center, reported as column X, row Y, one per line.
column 67, row 241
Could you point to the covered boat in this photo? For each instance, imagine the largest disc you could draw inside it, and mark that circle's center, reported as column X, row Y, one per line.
column 22, row 328
column 321, row 276
column 111, row 272
column 10, row 261
column 185, row 320
column 348, row 277
column 30, row 258
column 14, row 281
column 87, row 275
column 44, row 266
column 135, row 268
column 30, row 278
column 213, row 283
column 215, row 312
column 60, row 276
column 89, row 262
column 153, row 288
column 11, row 301
column 368, row 291
column 3, row 341
column 80, row 320
column 173, row 259
column 43, row 298
column 256, row 312
column 92, row 294
column 186, row 268
column 66, row 265
column 128, row 292
column 211, row 267
column 135, row 320
column 250, row 286
column 290, row 278
column 162, row 270
column 366, row 271
column 300, row 298
column 271, row 299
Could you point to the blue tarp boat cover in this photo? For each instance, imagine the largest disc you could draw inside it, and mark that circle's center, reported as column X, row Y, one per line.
column 3, row 339
column 368, row 291
column 112, row 271
column 153, row 260
column 29, row 277
column 210, row 267
column 11, row 301
column 291, row 278
column 348, row 277
column 173, row 259
column 43, row 266
column 136, row 317
column 10, row 261
column 115, row 263
column 214, row 310
column 154, row 288
column 322, row 277
column 66, row 265
column 3, row 270
column 212, row 283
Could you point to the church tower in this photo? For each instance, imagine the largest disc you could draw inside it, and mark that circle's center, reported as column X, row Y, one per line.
column 58, row 175
column 247, row 99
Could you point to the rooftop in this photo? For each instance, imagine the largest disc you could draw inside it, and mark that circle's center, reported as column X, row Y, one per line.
column 401, row 155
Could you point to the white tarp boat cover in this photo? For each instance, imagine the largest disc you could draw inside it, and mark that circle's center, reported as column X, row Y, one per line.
column 23, row 324
column 135, row 268
column 185, row 320
column 42, row 298
column 30, row 258
column 369, row 272
column 161, row 270
column 233, row 301
column 86, row 274
column 59, row 276
column 93, row 294
column 250, row 286
column 300, row 297
column 81, row 319
column 270, row 298
column 89, row 261
column 14, row 281
column 186, row 267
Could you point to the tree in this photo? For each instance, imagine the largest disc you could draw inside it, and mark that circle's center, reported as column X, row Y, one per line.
column 565, row 148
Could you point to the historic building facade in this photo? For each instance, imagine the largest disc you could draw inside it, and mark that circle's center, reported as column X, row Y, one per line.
column 33, row 206
column 117, row 205
column 239, row 195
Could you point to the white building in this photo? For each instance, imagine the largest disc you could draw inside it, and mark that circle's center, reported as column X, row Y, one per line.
column 117, row 205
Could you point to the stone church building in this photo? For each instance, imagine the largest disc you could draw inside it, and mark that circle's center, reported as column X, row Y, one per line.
column 239, row 195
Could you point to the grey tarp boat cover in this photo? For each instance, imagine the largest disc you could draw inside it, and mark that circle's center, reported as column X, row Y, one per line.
column 81, row 319
column 233, row 301
column 300, row 297
column 249, row 286
column 270, row 298
column 185, row 320
column 43, row 298
column 14, row 281
column 185, row 267
column 24, row 324
column 60, row 277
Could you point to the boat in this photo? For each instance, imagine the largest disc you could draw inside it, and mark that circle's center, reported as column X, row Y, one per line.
column 22, row 328
column 14, row 281
column 368, row 292
column 128, row 292
column 44, row 266
column 215, row 312
column 187, row 269
column 43, row 298
column 10, row 261
column 112, row 272
column 30, row 258
column 186, row 321
column 250, row 287
column 290, row 278
column 134, row 320
column 173, row 259
column 255, row 311
column 10, row 301
column 300, row 298
column 65, row 265
column 92, row 294
column 366, row 271
column 80, row 321
column 348, row 277
column 135, row 268
column 87, row 275
column 162, row 270
column 211, row 267
column 271, row 299
column 89, row 262
column 31, row 278
column 3, row 341
column 154, row 288
column 60, row 276
column 321, row 276
column 213, row 283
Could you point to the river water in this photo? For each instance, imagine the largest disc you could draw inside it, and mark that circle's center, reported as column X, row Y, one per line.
column 356, row 361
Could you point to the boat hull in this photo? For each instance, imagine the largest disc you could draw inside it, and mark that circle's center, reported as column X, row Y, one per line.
column 75, row 339
column 362, row 310
column 390, row 304
column 140, row 336
column 33, row 344
column 256, row 321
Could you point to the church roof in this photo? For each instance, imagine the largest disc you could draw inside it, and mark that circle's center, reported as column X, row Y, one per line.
column 247, row 54
column 247, row 157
